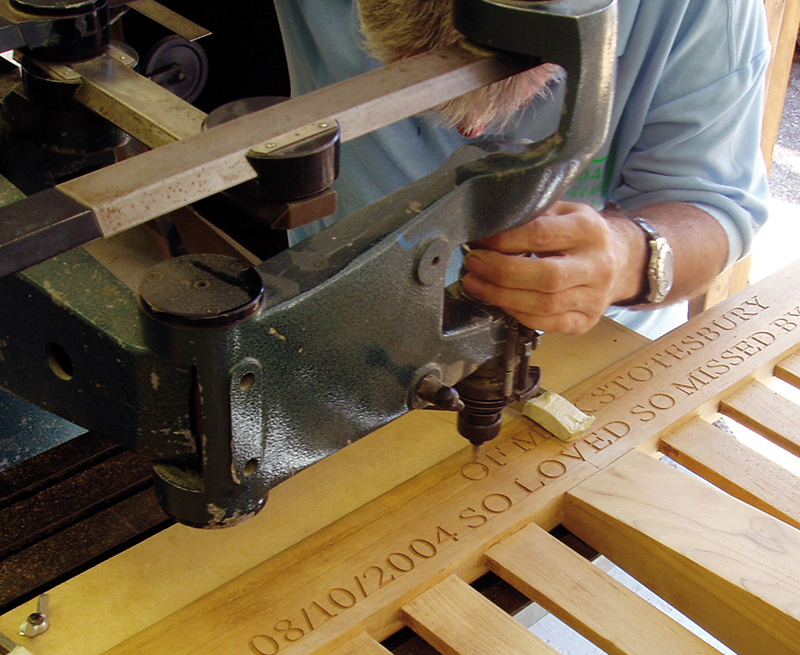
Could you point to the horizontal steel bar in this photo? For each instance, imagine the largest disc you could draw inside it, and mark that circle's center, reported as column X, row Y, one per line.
column 173, row 21
column 172, row 176
column 142, row 108
column 154, row 183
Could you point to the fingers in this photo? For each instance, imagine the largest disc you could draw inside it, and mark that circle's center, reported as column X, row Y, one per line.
column 574, row 310
column 573, row 322
column 549, row 274
column 567, row 287
column 563, row 227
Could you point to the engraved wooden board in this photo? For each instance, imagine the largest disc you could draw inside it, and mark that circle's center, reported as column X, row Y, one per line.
column 402, row 558
column 179, row 565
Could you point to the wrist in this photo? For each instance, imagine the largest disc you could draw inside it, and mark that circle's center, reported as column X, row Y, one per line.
column 632, row 254
column 659, row 267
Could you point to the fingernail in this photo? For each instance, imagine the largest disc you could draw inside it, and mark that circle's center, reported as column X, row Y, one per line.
column 474, row 264
column 470, row 288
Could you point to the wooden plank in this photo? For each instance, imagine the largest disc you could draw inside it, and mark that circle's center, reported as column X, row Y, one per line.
column 789, row 370
column 774, row 91
column 436, row 525
column 733, row 467
column 688, row 369
column 362, row 644
column 456, row 620
column 766, row 412
column 783, row 17
column 587, row 599
column 461, row 507
column 731, row 568
column 169, row 562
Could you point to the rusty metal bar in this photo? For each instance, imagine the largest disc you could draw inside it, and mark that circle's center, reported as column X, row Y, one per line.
column 171, row 20
column 136, row 190
column 154, row 183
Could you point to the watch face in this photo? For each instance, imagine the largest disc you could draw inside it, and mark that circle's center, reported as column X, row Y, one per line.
column 660, row 267
column 663, row 271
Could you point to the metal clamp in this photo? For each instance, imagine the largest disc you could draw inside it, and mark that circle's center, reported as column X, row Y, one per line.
column 37, row 622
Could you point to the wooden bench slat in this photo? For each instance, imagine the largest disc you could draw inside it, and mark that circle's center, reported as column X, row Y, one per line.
column 766, row 412
column 362, row 644
column 740, row 471
column 587, row 599
column 731, row 568
column 789, row 370
column 456, row 620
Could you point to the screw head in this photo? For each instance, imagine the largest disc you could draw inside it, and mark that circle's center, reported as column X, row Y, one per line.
column 433, row 259
column 201, row 290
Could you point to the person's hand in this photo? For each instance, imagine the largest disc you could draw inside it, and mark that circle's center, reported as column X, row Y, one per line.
column 584, row 263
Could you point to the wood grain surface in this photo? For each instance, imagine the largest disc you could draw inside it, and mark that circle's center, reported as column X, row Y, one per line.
column 457, row 620
column 588, row 599
column 766, row 412
column 732, row 568
column 721, row 459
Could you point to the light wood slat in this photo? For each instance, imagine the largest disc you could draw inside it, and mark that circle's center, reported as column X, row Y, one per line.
column 362, row 644
column 456, row 620
column 766, row 412
column 782, row 20
column 789, row 370
column 728, row 566
column 587, row 599
column 742, row 472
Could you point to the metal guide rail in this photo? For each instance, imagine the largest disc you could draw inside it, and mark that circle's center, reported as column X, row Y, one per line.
column 576, row 34
column 135, row 190
column 725, row 554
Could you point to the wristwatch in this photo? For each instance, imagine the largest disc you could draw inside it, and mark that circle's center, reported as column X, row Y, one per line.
column 660, row 273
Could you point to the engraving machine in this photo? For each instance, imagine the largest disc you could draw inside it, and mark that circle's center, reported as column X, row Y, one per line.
column 231, row 377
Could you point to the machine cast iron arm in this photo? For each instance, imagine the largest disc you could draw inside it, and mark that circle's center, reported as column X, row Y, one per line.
column 232, row 378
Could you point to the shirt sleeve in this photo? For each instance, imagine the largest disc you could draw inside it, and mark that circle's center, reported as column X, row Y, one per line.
column 698, row 135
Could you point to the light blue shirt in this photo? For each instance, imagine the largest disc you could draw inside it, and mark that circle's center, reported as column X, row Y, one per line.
column 686, row 124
